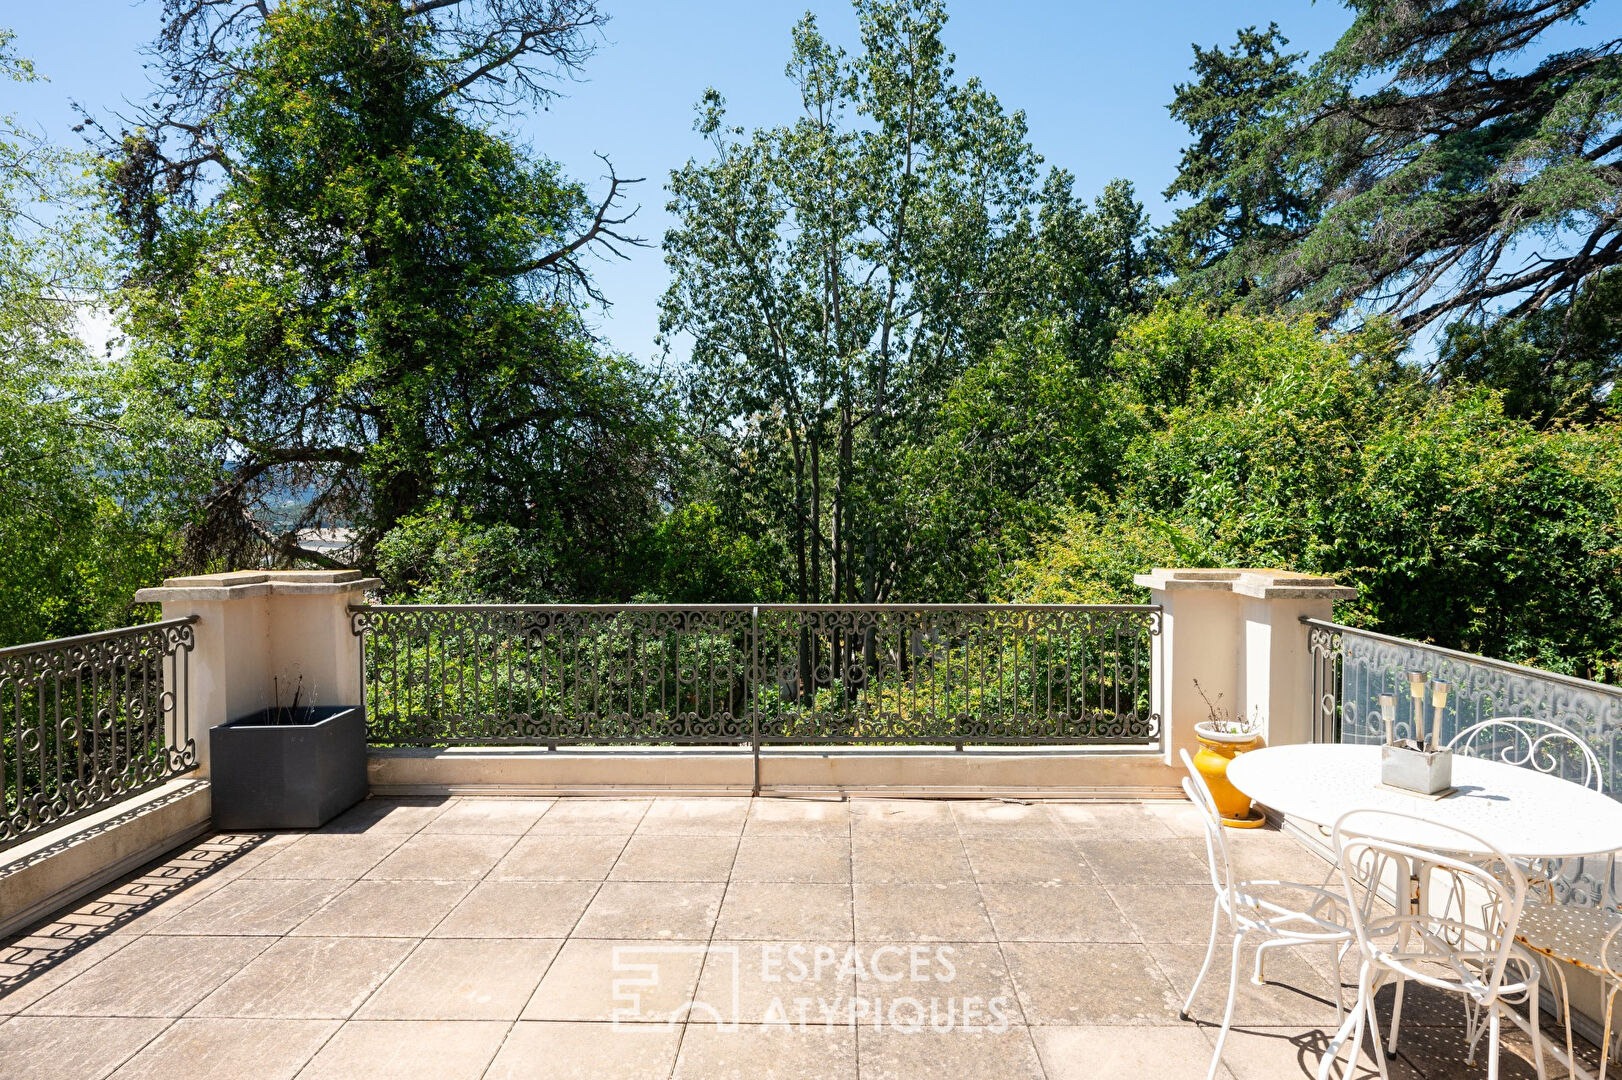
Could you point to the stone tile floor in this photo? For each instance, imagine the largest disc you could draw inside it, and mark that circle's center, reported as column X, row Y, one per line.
column 690, row 938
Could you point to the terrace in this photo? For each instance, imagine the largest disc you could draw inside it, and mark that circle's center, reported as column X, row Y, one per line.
column 476, row 937
column 792, row 894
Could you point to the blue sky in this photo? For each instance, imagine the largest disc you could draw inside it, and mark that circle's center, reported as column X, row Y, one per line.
column 1093, row 77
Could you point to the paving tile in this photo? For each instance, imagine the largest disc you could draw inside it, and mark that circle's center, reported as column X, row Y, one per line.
column 792, row 857
column 947, row 986
column 518, row 909
column 253, row 906
column 1176, row 913
column 659, row 857
column 1054, row 912
column 588, row 816
column 1147, row 862
column 328, row 855
column 234, row 851
column 933, row 986
column 1297, row 993
column 402, row 816
column 903, row 813
column 408, row 1050
column 826, row 818
column 799, row 983
column 553, row 857
column 307, row 978
column 1079, row 984
column 626, row 981
column 462, row 979
column 786, row 911
column 1086, row 1053
column 26, row 975
column 1110, row 821
column 385, row 909
column 228, row 1049
column 909, row 858
column 719, row 816
column 488, row 814
column 1437, row 1053
column 679, row 910
column 771, row 1052
column 991, row 818
column 443, row 858
column 71, row 1047
column 153, row 976
column 1268, row 855
column 872, row 819
column 1028, row 861
column 934, row 912
column 560, row 1050
column 1259, row 1053
column 1181, row 817
column 928, row 1055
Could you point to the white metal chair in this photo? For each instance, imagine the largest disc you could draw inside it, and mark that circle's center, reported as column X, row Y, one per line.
column 1277, row 913
column 1531, row 743
column 1582, row 936
column 1476, row 958
column 1560, row 933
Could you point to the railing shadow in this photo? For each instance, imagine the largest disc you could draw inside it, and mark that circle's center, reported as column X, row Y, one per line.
column 40, row 949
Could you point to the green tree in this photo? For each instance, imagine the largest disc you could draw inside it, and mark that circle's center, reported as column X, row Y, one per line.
column 1242, row 201
column 1559, row 363
column 369, row 294
column 1436, row 174
column 1267, row 442
column 835, row 276
column 77, row 533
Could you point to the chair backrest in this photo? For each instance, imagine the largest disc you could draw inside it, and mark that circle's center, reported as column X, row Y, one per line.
column 1532, row 743
column 1216, row 845
column 1472, row 919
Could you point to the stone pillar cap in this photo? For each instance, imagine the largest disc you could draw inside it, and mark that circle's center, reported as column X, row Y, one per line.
column 1259, row 582
column 241, row 584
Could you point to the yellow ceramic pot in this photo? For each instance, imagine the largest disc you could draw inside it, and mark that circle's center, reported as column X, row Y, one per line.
column 1216, row 750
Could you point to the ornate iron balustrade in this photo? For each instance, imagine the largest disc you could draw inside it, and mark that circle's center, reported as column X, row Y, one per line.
column 1352, row 668
column 88, row 721
column 748, row 675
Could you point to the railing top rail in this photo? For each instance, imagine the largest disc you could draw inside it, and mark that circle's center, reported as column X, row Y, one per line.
column 1471, row 658
column 758, row 607
column 86, row 639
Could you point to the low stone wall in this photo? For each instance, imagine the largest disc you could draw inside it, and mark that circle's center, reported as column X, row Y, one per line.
column 924, row 772
column 58, row 867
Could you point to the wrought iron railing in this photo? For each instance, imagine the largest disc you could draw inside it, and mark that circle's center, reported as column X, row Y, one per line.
column 1351, row 668
column 88, row 721
column 753, row 675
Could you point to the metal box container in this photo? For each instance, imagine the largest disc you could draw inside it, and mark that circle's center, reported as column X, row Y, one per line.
column 299, row 775
column 1423, row 771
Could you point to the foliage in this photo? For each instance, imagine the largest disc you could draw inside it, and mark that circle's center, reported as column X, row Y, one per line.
column 1239, row 205
column 372, row 303
column 1268, row 443
column 839, row 275
column 76, row 538
column 1558, row 364
column 1419, row 163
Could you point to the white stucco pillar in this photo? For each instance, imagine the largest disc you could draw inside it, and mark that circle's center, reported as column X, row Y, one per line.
column 1239, row 634
column 257, row 633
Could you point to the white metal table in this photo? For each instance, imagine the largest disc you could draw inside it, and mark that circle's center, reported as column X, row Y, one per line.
column 1524, row 813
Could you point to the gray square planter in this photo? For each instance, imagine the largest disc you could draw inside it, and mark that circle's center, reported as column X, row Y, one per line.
column 295, row 775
